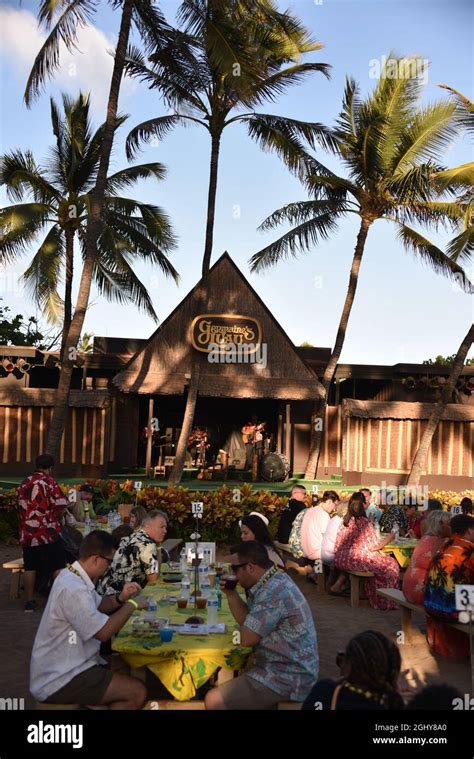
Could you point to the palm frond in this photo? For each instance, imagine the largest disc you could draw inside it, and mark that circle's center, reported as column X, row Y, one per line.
column 275, row 85
column 465, row 108
column 20, row 174
column 299, row 239
column 461, row 247
column 19, row 226
column 459, row 176
column 76, row 14
column 433, row 129
column 153, row 128
column 130, row 176
column 43, row 276
column 285, row 136
column 433, row 256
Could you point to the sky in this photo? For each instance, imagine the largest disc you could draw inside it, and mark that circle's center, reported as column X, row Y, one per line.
column 403, row 311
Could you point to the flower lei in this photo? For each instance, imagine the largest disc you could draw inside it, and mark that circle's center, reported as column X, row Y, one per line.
column 74, row 571
column 366, row 693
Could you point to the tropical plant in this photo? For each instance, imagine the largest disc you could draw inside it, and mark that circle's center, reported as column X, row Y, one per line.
column 389, row 146
column 58, row 210
column 461, row 247
column 62, row 20
column 24, row 330
column 228, row 59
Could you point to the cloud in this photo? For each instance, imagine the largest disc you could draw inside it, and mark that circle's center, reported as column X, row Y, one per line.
column 87, row 68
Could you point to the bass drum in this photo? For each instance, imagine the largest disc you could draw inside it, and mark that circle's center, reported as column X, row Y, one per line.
column 274, row 467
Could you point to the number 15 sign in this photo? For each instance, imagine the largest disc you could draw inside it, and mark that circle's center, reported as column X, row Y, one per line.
column 197, row 509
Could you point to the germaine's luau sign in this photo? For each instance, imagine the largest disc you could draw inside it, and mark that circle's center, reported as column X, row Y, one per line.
column 228, row 338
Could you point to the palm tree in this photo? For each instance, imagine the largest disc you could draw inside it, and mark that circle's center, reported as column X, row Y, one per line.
column 86, row 343
column 389, row 146
column 60, row 199
column 68, row 17
column 228, row 60
column 460, row 248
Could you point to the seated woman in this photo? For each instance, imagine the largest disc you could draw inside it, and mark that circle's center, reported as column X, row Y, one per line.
column 328, row 545
column 453, row 565
column 437, row 530
column 254, row 527
column 357, row 550
column 137, row 515
column 370, row 669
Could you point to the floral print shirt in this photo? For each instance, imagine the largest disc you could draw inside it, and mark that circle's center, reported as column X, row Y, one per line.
column 136, row 557
column 40, row 499
column 286, row 657
column 392, row 516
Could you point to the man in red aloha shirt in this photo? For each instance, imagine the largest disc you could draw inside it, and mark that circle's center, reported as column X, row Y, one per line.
column 41, row 503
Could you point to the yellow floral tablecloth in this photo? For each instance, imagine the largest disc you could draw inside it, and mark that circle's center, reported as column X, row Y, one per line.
column 188, row 661
column 401, row 551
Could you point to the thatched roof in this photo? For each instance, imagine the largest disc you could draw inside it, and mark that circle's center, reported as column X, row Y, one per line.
column 31, row 396
column 161, row 366
column 400, row 410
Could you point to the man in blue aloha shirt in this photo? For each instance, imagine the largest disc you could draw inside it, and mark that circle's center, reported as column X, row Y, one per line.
column 277, row 622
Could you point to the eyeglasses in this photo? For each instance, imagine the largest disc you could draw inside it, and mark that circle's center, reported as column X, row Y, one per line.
column 107, row 558
column 235, row 567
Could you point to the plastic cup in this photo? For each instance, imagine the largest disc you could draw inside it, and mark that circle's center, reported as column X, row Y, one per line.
column 166, row 635
column 201, row 603
column 182, row 603
column 230, row 582
column 212, row 578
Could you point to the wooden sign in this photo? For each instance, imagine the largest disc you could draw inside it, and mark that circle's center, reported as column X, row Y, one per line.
column 209, row 330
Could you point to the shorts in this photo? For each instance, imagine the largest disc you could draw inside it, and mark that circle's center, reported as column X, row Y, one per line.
column 246, row 693
column 46, row 558
column 86, row 689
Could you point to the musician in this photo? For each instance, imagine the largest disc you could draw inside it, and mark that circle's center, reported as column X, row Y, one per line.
column 253, row 434
column 198, row 445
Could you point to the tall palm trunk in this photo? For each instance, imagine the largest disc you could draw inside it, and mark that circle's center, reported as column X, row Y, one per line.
column 197, row 358
column 211, row 202
column 61, row 407
column 437, row 413
column 69, row 235
column 319, row 410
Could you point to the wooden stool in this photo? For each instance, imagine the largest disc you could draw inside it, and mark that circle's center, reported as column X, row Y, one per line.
column 16, row 568
column 43, row 707
column 355, row 580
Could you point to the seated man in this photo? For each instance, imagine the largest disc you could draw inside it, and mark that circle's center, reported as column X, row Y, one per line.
column 137, row 558
column 66, row 667
column 277, row 622
column 296, row 504
column 85, row 496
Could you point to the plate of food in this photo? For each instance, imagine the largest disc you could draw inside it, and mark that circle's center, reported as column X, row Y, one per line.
column 172, row 578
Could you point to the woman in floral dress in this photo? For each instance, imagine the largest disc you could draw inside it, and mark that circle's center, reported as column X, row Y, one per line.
column 357, row 550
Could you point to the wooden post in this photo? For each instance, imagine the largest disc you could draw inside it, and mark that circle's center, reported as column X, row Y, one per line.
column 149, row 439
column 288, row 431
column 280, row 434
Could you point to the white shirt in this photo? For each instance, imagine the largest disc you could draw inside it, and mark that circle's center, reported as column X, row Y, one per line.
column 65, row 645
column 329, row 540
column 315, row 522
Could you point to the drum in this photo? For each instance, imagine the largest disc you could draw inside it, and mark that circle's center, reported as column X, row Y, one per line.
column 274, row 467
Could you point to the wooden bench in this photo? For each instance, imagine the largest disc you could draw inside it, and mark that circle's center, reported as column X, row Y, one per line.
column 407, row 608
column 355, row 578
column 17, row 569
column 41, row 706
